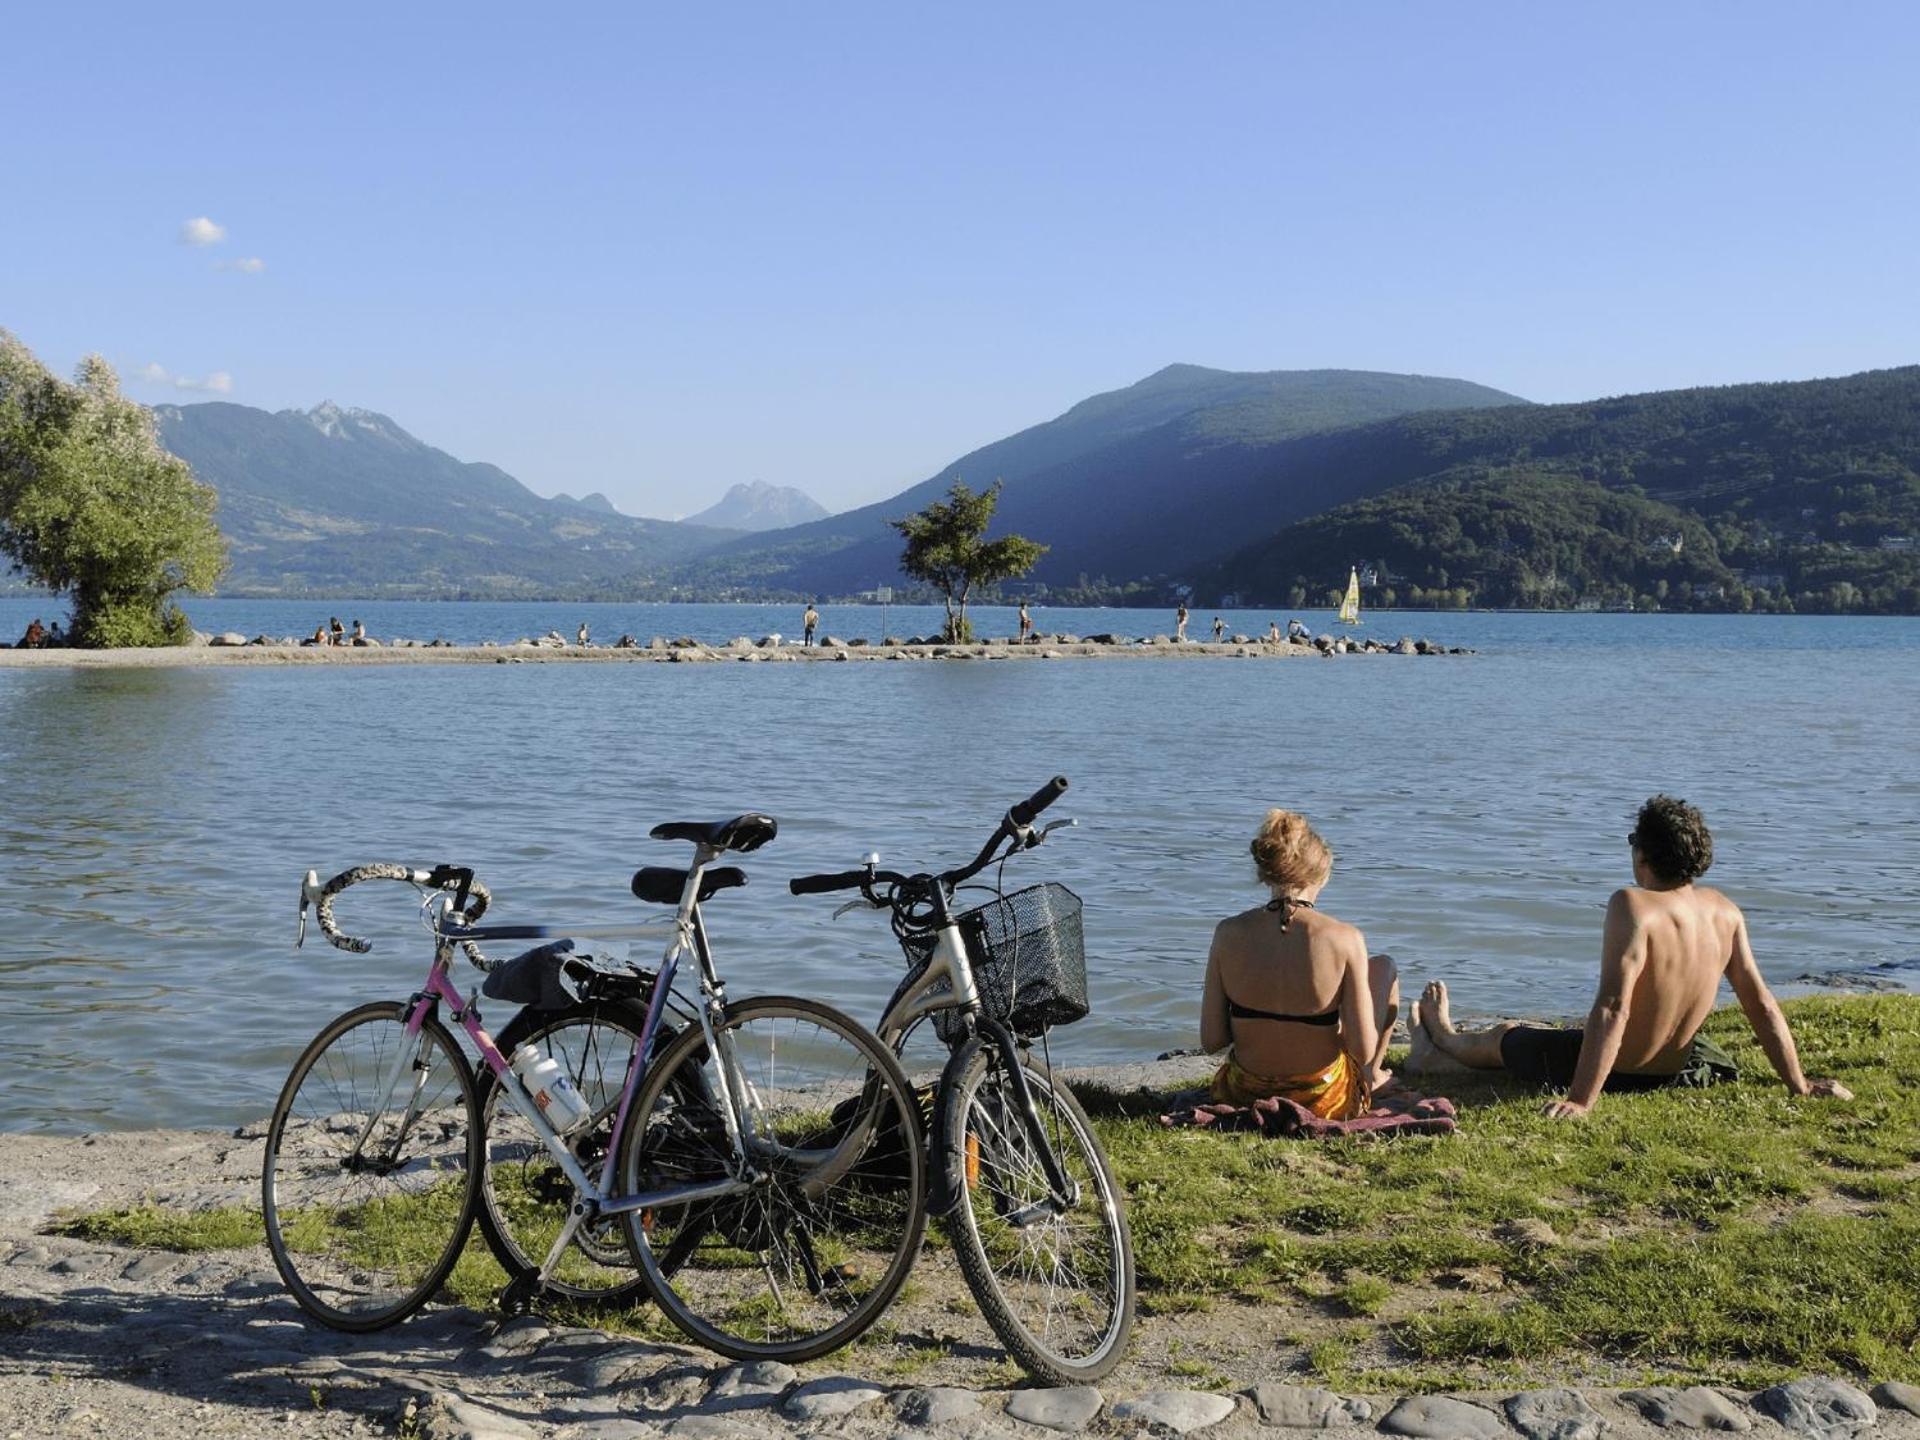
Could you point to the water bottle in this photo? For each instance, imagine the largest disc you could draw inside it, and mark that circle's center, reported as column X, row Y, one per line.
column 551, row 1089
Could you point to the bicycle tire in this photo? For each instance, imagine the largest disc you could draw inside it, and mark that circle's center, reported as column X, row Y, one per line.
column 345, row 1236
column 506, row 1224
column 993, row 1180
column 877, row 1180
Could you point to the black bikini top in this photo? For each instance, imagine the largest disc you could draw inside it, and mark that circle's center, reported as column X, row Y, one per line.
column 1284, row 906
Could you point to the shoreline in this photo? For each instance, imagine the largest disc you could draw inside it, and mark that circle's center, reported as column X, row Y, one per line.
column 683, row 651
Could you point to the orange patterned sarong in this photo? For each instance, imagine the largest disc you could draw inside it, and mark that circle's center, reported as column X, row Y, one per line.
column 1337, row 1093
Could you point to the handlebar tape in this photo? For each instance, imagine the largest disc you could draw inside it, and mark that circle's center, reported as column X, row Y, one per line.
column 821, row 884
column 1023, row 814
column 478, row 899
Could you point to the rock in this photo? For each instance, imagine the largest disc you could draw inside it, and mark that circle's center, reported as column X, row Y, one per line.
column 1067, row 1407
column 1405, row 646
column 1558, row 1414
column 710, row 1427
column 1695, row 1407
column 200, row 637
column 769, row 642
column 228, row 637
column 1440, row 1417
column 1158, row 640
column 612, row 1430
column 891, row 640
column 520, row 1336
column 83, row 1264
column 1105, row 640
column 1323, row 643
column 1530, row 1233
column 254, row 1282
column 615, row 1366
column 1306, row 1407
column 739, row 642
column 149, row 1267
column 1181, row 1411
column 457, row 1419
column 830, row 1398
column 857, row 642
column 1818, row 1406
column 1897, row 1395
column 656, row 643
column 828, row 642
column 761, row 1380
column 1242, row 639
column 683, row 642
column 940, row 1405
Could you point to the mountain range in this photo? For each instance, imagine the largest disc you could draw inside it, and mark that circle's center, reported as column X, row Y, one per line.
column 757, row 506
column 1263, row 486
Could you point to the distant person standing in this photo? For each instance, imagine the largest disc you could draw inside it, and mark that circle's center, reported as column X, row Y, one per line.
column 581, row 638
column 1273, row 632
column 809, row 623
column 1026, row 623
column 1180, row 624
column 1219, row 629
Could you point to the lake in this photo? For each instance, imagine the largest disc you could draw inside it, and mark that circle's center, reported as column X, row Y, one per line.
column 155, row 823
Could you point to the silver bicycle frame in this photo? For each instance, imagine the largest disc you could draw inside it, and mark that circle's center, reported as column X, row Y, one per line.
column 915, row 1002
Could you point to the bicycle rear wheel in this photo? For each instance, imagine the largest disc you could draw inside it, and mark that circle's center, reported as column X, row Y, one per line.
column 525, row 1199
column 369, row 1179
column 809, row 1256
column 1056, row 1284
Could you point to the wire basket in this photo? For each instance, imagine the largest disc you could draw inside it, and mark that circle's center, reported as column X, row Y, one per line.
column 1029, row 960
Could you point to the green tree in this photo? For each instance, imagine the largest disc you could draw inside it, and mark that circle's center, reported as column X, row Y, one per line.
column 92, row 506
column 948, row 549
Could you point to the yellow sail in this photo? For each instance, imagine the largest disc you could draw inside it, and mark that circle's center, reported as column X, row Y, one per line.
column 1350, row 607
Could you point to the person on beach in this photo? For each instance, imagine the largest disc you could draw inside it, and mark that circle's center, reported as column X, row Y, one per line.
column 36, row 633
column 1273, row 632
column 1296, row 630
column 1219, row 629
column 1291, row 993
column 336, row 633
column 809, row 622
column 1026, row 624
column 1180, row 624
column 319, row 636
column 359, row 633
column 1666, row 945
column 55, row 638
column 580, row 638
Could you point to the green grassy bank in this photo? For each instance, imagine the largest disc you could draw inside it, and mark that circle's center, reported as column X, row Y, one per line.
column 1734, row 1235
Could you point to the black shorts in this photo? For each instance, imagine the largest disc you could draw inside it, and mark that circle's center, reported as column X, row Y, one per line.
column 1549, row 1057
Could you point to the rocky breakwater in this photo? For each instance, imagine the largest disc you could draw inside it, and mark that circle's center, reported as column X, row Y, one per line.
column 233, row 648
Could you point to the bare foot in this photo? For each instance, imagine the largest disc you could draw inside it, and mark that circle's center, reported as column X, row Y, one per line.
column 1437, row 1016
column 1423, row 1055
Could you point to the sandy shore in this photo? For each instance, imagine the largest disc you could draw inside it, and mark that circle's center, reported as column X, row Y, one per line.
column 738, row 651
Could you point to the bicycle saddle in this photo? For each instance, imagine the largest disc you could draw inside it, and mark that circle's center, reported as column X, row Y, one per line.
column 742, row 833
column 662, row 884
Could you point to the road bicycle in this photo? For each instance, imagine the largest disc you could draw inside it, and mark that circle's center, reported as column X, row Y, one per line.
column 1026, row 1193
column 764, row 1222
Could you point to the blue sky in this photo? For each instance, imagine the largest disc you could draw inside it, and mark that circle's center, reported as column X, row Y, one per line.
column 655, row 251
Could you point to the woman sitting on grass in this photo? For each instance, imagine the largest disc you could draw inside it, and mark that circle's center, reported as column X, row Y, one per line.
column 1306, row 1010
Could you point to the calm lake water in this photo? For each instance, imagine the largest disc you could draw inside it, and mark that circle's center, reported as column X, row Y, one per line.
column 154, row 824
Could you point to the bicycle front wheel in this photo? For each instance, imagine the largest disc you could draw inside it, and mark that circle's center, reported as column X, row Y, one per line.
column 1055, row 1281
column 525, row 1198
column 371, row 1168
column 818, row 1242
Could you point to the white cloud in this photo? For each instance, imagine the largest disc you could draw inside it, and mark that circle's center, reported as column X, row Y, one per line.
column 202, row 231
column 252, row 265
column 218, row 382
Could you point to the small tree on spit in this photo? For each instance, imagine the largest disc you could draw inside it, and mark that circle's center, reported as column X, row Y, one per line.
column 92, row 506
column 947, row 547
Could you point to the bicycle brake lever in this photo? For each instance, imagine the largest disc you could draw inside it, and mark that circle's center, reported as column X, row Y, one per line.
column 309, row 889
column 1046, row 830
column 852, row 905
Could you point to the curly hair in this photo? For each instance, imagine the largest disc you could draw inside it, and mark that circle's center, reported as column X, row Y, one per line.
column 1673, row 839
column 1288, row 853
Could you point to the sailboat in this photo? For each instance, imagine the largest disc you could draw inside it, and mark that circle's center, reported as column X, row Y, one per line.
column 1350, row 606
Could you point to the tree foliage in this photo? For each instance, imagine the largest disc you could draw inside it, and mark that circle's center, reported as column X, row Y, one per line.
column 948, row 549
column 92, row 506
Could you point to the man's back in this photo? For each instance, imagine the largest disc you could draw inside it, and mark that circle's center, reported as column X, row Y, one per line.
column 1684, row 939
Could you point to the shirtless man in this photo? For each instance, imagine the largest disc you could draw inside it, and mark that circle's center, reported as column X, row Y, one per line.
column 1667, row 944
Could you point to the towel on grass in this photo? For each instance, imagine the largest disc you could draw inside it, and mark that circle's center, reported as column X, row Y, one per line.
column 1399, row 1113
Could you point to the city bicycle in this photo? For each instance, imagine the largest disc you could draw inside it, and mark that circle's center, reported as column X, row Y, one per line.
column 762, row 1221
column 1026, row 1193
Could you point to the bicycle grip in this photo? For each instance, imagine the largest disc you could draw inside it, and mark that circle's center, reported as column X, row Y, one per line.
column 822, row 884
column 1023, row 813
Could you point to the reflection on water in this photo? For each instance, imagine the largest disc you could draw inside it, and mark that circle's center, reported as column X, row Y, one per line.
column 155, row 823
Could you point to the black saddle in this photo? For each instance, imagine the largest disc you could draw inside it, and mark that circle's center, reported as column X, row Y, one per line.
column 662, row 884
column 742, row 833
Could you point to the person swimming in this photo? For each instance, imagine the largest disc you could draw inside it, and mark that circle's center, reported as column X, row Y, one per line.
column 1303, row 1011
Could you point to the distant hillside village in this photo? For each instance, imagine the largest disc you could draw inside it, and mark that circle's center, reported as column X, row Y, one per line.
column 1222, row 488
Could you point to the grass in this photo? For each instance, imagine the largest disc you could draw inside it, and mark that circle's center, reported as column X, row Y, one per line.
column 1734, row 1235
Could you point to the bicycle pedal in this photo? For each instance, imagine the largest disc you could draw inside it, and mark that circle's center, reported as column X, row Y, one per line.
column 518, row 1297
